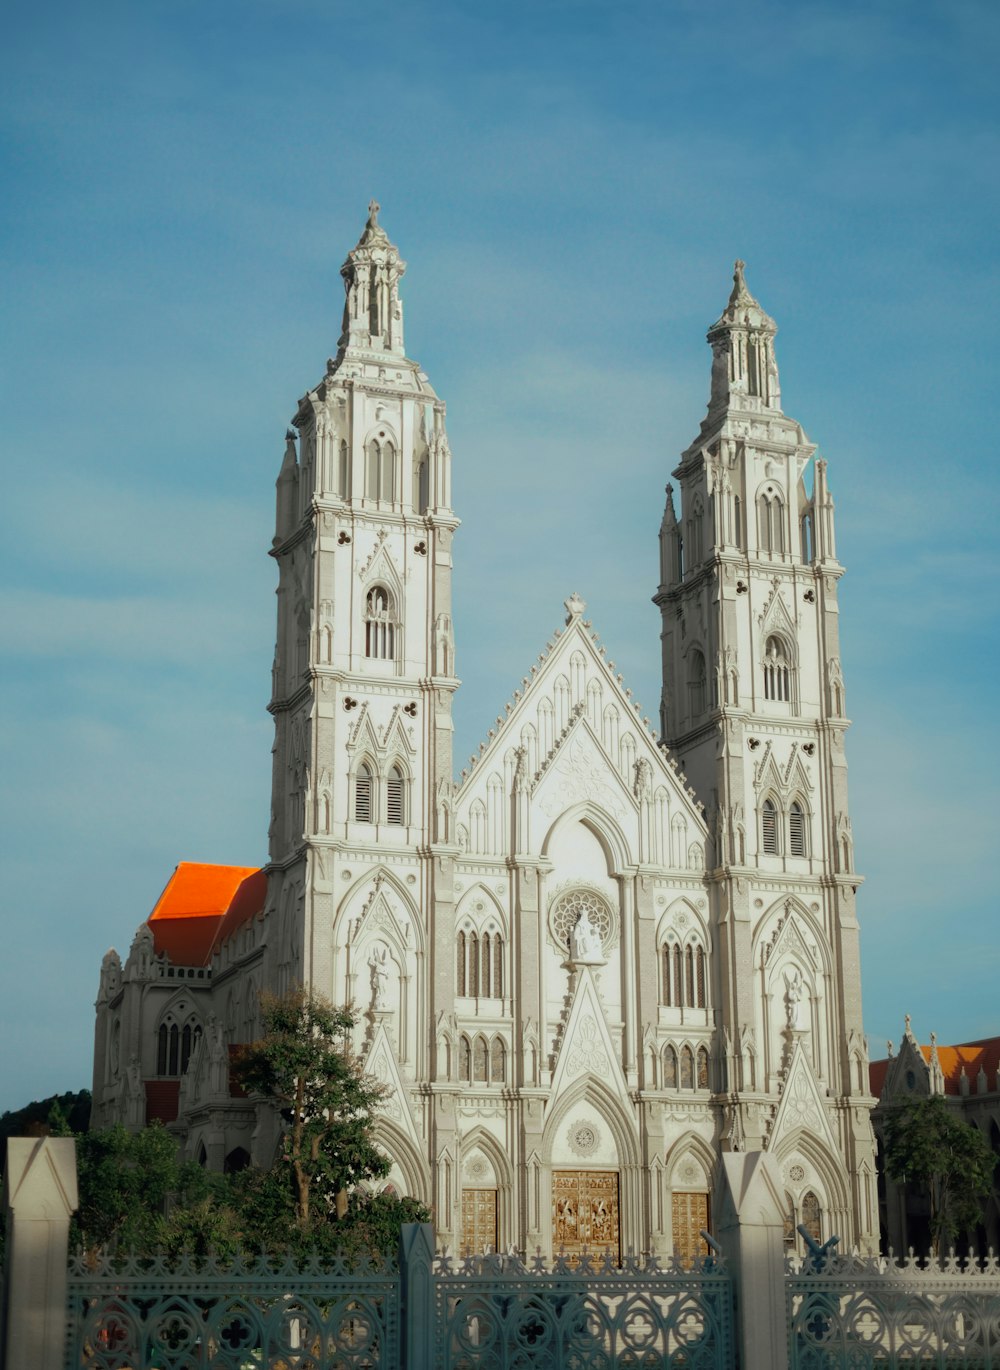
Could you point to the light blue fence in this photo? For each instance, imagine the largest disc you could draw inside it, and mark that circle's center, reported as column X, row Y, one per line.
column 860, row 1312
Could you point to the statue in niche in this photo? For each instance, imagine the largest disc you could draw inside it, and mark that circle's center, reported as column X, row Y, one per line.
column 794, row 990
column 585, row 943
column 378, row 963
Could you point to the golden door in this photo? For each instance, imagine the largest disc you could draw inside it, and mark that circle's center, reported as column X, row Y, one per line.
column 690, row 1215
column 479, row 1222
column 585, row 1212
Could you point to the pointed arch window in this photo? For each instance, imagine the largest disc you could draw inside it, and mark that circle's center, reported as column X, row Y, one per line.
column 174, row 1046
column 689, row 976
column 380, row 470
column 486, row 966
column 669, row 1068
column 465, row 1061
column 769, row 827
column 770, row 522
column 812, row 1215
column 498, row 1061
column 343, row 472
column 479, row 965
column 480, row 1061
column 702, row 1063
column 777, row 671
column 700, row 977
column 797, row 830
column 666, row 977
column 678, row 976
column 395, row 797
column 364, row 794
column 687, row 1068
column 380, row 624
column 460, row 965
column 473, row 978
column 497, row 967
column 697, row 678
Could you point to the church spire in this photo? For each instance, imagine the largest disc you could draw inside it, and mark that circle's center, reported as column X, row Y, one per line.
column 373, row 312
column 744, row 370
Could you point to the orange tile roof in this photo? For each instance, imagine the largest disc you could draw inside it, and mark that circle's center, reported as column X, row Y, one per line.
column 201, row 906
column 984, row 1054
column 973, row 1056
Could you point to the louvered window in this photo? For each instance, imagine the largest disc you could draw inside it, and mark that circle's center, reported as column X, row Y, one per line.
column 363, row 795
column 769, row 827
column 394, row 796
column 797, row 830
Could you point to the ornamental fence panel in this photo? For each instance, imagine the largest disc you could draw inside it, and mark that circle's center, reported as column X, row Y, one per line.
column 126, row 1313
column 859, row 1312
column 497, row 1313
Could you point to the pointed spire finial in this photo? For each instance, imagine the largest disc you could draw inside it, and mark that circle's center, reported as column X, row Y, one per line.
column 907, row 1020
column 574, row 606
column 373, row 209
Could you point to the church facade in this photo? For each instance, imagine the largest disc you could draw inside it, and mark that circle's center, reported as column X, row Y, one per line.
column 604, row 954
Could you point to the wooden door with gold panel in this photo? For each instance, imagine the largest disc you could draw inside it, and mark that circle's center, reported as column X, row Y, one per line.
column 479, row 1222
column 585, row 1213
column 690, row 1214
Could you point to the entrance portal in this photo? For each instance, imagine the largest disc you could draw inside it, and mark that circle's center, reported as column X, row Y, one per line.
column 479, row 1222
column 689, row 1213
column 585, row 1212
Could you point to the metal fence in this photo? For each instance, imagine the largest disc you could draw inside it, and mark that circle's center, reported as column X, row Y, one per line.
column 496, row 1313
column 859, row 1312
column 178, row 1315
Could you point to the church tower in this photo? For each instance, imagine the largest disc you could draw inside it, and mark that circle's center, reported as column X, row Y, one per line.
column 364, row 668
column 753, row 707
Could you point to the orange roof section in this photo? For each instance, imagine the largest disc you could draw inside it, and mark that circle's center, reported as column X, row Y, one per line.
column 973, row 1056
column 201, row 906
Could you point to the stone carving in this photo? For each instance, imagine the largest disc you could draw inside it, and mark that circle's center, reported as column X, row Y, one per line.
column 378, row 963
column 565, row 913
column 794, row 990
column 581, row 774
column 583, row 1138
column 586, row 941
column 588, row 1054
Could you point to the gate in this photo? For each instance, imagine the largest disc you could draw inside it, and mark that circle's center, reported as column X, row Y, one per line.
column 183, row 1315
column 496, row 1313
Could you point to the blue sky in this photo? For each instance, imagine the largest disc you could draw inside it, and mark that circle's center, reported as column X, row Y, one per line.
column 570, row 183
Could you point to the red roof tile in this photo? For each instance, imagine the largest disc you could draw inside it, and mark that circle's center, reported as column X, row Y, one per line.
column 984, row 1054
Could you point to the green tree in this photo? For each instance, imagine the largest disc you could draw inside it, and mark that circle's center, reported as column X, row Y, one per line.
column 927, row 1145
column 305, row 1065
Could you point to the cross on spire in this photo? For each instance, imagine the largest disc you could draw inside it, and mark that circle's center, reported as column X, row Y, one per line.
column 373, row 209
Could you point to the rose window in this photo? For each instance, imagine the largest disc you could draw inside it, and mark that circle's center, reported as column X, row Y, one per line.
column 565, row 913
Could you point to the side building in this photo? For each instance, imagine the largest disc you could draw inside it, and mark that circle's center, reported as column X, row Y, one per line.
column 602, row 955
column 968, row 1077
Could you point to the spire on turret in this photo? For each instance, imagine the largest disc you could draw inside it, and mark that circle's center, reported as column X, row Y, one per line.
column 373, row 312
column 744, row 369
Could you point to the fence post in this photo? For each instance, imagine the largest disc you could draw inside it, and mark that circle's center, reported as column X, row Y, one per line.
column 416, row 1295
column 39, row 1196
column 750, row 1231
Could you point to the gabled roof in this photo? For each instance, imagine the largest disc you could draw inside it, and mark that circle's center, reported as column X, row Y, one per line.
column 201, row 907
column 577, row 635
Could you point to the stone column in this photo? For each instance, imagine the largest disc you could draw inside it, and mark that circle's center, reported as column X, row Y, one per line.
column 750, row 1231
column 39, row 1196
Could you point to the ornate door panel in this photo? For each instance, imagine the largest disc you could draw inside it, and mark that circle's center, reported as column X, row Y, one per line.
column 479, row 1222
column 690, row 1215
column 585, row 1212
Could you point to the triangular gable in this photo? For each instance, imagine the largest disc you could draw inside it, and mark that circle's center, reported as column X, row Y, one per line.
column 381, row 566
column 788, row 938
column 586, row 1048
column 776, row 618
column 801, row 1107
column 523, row 710
column 581, row 771
column 397, row 735
column 909, row 1060
column 382, row 1065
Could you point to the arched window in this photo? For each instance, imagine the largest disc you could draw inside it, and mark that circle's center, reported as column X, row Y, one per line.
column 777, row 672
column 689, row 976
column 770, row 522
column 380, row 624
column 669, row 1068
column 486, row 966
column 738, row 522
column 464, row 1061
column 796, row 830
column 387, row 489
column 380, row 470
column 687, row 1068
column 373, row 467
column 497, row 967
column 700, row 977
column 811, row 1215
column 472, row 982
column 174, row 1046
column 665, row 977
column 480, row 1061
column 460, row 965
column 395, row 787
column 678, row 977
column 696, row 682
column 695, row 526
column 769, row 827
column 703, row 1068
column 343, row 472
column 498, row 1061
column 364, row 792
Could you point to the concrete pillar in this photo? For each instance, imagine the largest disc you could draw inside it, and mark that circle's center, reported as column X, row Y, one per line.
column 750, row 1231
column 39, row 1196
column 416, row 1291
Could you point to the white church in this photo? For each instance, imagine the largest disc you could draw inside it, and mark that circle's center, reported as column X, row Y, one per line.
column 605, row 954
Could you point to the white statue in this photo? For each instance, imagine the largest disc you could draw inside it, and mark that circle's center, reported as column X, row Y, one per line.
column 585, row 942
column 379, row 964
column 794, row 990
